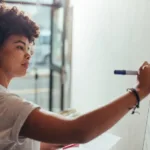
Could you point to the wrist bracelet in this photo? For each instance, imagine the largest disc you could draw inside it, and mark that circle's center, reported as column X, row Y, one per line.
column 137, row 98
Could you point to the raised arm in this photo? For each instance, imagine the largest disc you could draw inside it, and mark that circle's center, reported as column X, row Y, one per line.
column 48, row 127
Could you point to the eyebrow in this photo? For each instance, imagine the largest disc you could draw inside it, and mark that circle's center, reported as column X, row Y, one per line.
column 19, row 41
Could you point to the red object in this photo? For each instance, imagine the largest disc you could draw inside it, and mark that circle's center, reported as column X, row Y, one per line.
column 71, row 145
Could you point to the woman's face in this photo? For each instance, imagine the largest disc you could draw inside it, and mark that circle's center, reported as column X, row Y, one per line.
column 15, row 55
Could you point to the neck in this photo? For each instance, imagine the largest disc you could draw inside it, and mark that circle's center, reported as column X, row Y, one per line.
column 4, row 78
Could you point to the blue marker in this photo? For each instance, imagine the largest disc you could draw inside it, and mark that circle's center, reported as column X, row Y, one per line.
column 125, row 72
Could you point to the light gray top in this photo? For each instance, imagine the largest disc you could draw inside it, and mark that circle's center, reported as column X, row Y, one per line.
column 13, row 112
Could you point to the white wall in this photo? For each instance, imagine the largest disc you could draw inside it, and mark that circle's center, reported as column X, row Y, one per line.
column 108, row 35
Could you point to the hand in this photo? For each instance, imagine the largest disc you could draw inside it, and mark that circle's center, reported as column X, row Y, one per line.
column 144, row 77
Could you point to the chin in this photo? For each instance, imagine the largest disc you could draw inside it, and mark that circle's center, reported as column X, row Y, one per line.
column 21, row 74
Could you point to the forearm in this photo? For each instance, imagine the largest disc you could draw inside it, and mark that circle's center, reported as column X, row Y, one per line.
column 100, row 120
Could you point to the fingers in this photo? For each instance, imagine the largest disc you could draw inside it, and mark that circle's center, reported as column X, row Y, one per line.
column 145, row 64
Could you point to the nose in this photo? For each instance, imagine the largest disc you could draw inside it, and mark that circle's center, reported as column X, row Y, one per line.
column 27, row 55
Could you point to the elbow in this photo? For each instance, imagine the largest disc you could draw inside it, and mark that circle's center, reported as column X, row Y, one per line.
column 85, row 140
column 81, row 134
column 83, row 137
column 80, row 137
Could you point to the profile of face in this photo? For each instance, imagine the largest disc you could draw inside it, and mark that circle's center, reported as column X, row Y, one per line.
column 15, row 55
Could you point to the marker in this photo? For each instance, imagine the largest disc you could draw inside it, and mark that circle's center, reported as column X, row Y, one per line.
column 125, row 72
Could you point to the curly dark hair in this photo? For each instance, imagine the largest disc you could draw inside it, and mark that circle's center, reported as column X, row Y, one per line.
column 15, row 22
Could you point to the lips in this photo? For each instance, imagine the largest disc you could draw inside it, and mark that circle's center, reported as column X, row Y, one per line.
column 26, row 65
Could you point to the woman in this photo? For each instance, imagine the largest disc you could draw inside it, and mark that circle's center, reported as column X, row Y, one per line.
column 24, row 125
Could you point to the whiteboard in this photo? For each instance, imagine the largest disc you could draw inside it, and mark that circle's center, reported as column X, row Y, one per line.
column 110, row 35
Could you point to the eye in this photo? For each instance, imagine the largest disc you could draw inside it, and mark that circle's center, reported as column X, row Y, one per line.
column 20, row 47
column 31, row 52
